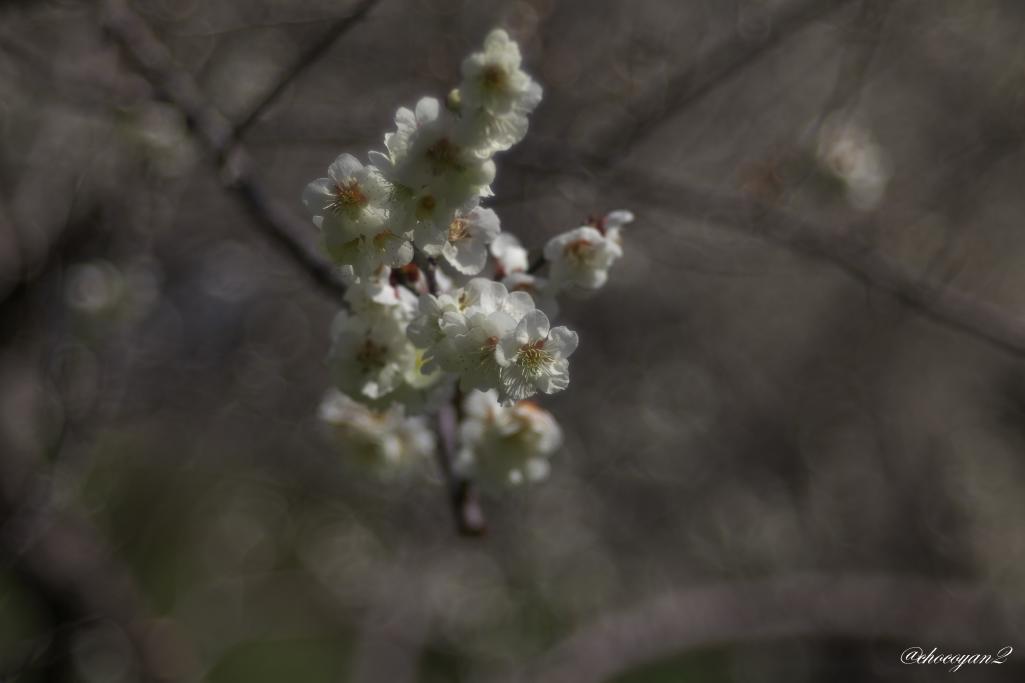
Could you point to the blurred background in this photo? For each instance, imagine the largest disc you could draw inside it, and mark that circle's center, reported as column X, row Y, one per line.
column 775, row 469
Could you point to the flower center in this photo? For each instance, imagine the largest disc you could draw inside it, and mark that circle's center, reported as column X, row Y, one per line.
column 425, row 206
column 348, row 195
column 493, row 77
column 533, row 358
column 458, row 229
column 371, row 356
column 443, row 156
column 381, row 239
column 579, row 250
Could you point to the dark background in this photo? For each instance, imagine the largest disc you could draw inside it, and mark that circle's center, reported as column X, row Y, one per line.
column 788, row 455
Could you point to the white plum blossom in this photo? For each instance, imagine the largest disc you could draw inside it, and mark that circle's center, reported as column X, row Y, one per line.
column 506, row 445
column 850, row 153
column 375, row 296
column 493, row 79
column 350, row 200
column 496, row 95
column 468, row 349
column 350, row 207
column 386, row 441
column 464, row 244
column 425, row 329
column 534, row 358
column 580, row 258
column 369, row 358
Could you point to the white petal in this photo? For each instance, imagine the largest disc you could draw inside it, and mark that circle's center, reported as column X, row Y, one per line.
column 317, row 195
column 518, row 304
column 506, row 350
column 467, row 256
column 562, row 341
column 427, row 110
column 399, row 252
column 533, row 326
column 345, row 166
column 516, row 385
column 486, row 223
column 617, row 219
column 379, row 160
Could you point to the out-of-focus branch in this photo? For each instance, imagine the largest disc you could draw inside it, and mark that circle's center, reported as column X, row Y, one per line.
column 701, row 77
column 864, row 38
column 941, row 303
column 60, row 555
column 907, row 610
column 315, row 51
column 155, row 62
column 840, row 247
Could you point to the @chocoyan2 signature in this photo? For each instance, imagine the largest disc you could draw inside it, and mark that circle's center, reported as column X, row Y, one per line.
column 918, row 655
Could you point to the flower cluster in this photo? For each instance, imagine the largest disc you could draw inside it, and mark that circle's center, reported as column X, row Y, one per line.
column 493, row 339
column 443, row 308
column 426, row 187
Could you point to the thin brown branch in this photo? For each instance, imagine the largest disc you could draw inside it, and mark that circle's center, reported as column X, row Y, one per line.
column 466, row 510
column 155, row 62
column 469, row 516
column 315, row 51
column 906, row 610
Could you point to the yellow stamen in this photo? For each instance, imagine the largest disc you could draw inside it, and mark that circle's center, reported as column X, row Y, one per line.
column 458, row 230
column 493, row 77
column 348, row 196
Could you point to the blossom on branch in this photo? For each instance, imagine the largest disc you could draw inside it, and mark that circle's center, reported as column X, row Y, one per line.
column 469, row 322
column 350, row 207
column 496, row 96
column 464, row 244
column 579, row 259
column 506, row 445
column 534, row 357
column 385, row 441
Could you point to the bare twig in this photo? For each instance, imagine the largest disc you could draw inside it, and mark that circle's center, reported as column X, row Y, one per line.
column 462, row 494
column 911, row 611
column 154, row 60
column 315, row 51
